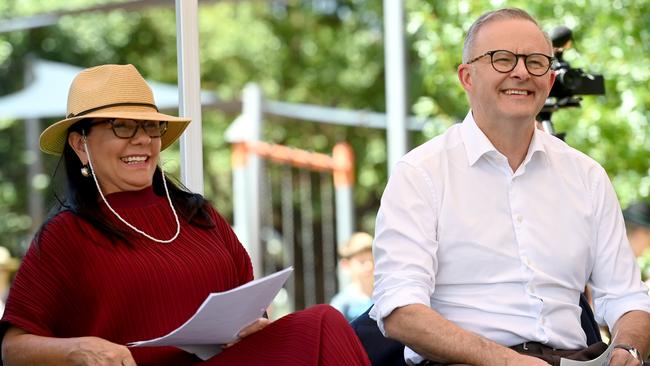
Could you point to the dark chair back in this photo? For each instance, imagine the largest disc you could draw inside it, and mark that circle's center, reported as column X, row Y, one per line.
column 588, row 322
column 384, row 351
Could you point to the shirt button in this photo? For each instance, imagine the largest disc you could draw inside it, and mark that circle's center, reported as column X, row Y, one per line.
column 519, row 218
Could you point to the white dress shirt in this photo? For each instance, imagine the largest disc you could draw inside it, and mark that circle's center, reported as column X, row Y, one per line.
column 502, row 254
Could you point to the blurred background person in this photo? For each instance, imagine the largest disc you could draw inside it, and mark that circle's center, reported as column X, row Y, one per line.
column 637, row 225
column 357, row 265
column 8, row 267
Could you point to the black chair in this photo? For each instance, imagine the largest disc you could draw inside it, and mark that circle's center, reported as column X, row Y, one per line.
column 588, row 322
column 384, row 351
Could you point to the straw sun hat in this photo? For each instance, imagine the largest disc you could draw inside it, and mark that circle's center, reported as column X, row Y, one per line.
column 359, row 242
column 109, row 91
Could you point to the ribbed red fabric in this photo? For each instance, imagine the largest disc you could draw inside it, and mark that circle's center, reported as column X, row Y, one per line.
column 319, row 335
column 77, row 283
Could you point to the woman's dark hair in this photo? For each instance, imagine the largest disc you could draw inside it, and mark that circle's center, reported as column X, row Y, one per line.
column 82, row 199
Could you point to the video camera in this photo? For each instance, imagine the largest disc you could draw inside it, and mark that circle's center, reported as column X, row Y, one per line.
column 570, row 82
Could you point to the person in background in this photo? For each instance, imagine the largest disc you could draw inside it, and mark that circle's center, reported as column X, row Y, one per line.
column 488, row 234
column 8, row 267
column 356, row 262
column 128, row 255
column 637, row 225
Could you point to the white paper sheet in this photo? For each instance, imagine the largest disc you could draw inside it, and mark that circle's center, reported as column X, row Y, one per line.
column 221, row 316
column 602, row 360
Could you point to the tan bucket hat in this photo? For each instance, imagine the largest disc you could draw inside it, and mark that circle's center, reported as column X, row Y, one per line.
column 358, row 243
column 109, row 91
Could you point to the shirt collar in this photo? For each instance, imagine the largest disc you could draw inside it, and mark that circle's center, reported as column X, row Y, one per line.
column 477, row 144
column 536, row 144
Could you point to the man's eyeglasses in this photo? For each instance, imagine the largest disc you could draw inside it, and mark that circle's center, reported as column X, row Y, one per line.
column 127, row 128
column 504, row 61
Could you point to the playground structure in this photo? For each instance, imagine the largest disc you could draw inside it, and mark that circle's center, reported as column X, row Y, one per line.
column 253, row 159
column 286, row 238
column 315, row 260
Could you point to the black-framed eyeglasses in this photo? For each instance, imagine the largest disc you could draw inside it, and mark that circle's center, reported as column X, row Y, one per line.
column 505, row 61
column 127, row 128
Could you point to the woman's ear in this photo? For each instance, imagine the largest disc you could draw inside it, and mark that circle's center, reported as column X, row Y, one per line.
column 77, row 143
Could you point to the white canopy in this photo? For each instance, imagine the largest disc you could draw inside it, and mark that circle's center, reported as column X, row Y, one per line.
column 46, row 93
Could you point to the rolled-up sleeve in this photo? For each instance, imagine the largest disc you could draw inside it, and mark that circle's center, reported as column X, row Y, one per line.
column 616, row 278
column 405, row 242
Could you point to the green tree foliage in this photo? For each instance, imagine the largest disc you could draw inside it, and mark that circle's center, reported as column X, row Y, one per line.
column 610, row 38
column 330, row 52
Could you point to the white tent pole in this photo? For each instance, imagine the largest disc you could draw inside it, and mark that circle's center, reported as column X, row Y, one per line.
column 189, row 89
column 396, row 88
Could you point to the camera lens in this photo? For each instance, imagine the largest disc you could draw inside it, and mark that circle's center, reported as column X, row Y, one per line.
column 571, row 79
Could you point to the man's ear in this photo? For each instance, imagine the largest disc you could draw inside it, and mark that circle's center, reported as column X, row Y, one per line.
column 464, row 76
column 76, row 142
column 552, row 81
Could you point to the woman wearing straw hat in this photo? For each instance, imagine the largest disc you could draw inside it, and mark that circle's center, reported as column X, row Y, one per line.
column 129, row 255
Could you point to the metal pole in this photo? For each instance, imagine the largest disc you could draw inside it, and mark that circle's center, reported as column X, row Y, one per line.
column 189, row 93
column 343, row 173
column 307, row 238
column 344, row 214
column 396, row 86
column 343, row 156
column 328, row 250
column 288, row 231
column 239, row 162
column 252, row 112
column 35, row 167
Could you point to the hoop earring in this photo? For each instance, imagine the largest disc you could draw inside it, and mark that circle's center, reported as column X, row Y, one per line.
column 85, row 171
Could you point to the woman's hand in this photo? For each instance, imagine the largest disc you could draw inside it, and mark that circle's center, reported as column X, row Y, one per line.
column 254, row 327
column 22, row 348
column 87, row 351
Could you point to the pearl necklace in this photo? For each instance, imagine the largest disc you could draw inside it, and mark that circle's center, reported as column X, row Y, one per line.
column 178, row 224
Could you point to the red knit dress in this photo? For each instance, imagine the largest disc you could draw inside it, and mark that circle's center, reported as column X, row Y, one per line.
column 77, row 283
